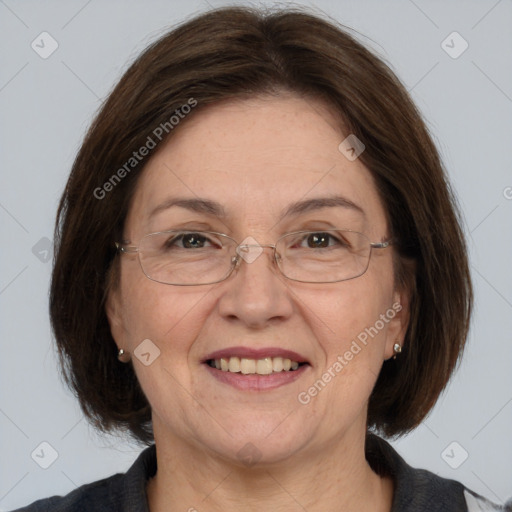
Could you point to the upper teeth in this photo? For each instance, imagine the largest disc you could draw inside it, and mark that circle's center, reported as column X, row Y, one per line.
column 260, row 366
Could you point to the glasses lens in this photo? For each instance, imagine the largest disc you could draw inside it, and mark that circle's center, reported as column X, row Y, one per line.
column 186, row 257
column 323, row 256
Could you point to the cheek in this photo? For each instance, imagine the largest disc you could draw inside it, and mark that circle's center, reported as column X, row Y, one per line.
column 164, row 314
column 352, row 338
column 171, row 319
column 351, row 320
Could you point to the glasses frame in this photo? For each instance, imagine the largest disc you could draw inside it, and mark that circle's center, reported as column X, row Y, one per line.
column 125, row 247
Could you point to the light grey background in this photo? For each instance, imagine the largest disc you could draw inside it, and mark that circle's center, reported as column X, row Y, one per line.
column 46, row 106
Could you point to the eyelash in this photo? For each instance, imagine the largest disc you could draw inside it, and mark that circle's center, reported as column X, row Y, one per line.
column 171, row 242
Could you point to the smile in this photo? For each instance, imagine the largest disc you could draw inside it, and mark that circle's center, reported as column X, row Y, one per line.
column 246, row 366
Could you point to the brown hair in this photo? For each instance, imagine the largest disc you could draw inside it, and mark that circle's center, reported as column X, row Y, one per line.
column 241, row 52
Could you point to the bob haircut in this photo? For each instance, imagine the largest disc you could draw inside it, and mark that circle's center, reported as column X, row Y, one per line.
column 236, row 53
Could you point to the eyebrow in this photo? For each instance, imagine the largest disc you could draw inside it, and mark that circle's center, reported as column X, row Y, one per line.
column 196, row 205
column 214, row 208
column 318, row 203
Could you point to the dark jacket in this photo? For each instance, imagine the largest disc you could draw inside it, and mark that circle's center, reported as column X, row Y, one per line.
column 416, row 490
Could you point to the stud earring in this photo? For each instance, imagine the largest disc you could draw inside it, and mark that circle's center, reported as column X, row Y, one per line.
column 123, row 356
column 397, row 349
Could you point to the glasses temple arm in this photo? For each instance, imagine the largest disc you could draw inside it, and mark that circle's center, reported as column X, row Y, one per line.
column 123, row 247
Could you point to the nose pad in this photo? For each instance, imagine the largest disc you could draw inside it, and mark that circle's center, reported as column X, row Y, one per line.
column 250, row 252
column 249, row 249
column 235, row 261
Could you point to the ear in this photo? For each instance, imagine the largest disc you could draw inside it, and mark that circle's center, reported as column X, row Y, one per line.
column 399, row 313
column 113, row 308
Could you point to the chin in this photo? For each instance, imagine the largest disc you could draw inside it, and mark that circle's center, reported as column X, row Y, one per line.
column 259, row 443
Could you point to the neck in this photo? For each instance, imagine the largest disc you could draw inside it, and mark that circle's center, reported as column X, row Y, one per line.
column 334, row 478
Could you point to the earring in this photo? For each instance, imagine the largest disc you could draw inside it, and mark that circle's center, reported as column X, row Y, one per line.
column 123, row 356
column 397, row 349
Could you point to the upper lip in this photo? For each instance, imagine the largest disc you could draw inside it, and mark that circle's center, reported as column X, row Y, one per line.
column 253, row 353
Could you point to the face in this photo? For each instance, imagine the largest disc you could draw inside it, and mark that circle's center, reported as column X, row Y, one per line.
column 255, row 158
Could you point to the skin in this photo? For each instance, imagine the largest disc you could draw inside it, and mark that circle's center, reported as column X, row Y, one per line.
column 255, row 157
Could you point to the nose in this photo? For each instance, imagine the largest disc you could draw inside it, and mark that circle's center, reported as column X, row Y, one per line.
column 256, row 294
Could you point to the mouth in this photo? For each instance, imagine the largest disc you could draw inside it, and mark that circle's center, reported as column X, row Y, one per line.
column 248, row 366
column 256, row 369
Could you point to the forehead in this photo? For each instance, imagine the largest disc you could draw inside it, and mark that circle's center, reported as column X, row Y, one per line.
column 256, row 157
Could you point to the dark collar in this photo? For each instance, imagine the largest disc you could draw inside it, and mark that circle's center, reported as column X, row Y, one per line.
column 416, row 490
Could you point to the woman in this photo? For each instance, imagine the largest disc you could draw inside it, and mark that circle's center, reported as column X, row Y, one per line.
column 259, row 268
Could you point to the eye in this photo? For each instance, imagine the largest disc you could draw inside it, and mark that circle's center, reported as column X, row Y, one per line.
column 322, row 240
column 188, row 241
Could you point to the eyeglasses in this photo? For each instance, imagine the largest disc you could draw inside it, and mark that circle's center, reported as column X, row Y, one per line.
column 192, row 258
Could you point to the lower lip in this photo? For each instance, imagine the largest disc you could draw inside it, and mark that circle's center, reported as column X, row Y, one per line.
column 257, row 382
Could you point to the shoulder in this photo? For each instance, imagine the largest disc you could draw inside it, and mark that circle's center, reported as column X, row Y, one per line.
column 123, row 492
column 94, row 496
column 476, row 503
column 421, row 490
